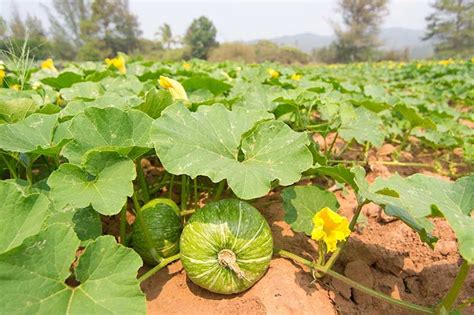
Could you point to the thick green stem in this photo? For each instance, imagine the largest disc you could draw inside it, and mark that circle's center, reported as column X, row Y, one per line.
column 158, row 267
column 123, row 225
column 142, row 181
column 29, row 173
column 394, row 163
column 331, row 146
column 219, row 190
column 195, row 191
column 354, row 284
column 170, row 194
column 187, row 212
column 448, row 301
column 184, row 192
column 12, row 170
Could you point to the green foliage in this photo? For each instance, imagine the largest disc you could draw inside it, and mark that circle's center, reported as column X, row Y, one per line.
column 201, row 37
column 41, row 266
column 302, row 202
column 362, row 19
column 451, row 26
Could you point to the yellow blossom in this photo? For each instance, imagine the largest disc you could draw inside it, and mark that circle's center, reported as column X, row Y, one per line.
column 118, row 63
column 48, row 64
column 445, row 62
column 472, row 59
column 2, row 75
column 186, row 66
column 273, row 73
column 15, row 87
column 36, row 85
column 330, row 227
column 296, row 76
column 174, row 87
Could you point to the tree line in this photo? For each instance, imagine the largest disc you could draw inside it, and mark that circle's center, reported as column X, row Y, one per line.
column 96, row 29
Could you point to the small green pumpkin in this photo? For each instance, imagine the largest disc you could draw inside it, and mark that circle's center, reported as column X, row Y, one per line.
column 226, row 246
column 156, row 231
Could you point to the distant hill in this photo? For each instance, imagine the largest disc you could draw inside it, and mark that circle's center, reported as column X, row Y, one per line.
column 397, row 38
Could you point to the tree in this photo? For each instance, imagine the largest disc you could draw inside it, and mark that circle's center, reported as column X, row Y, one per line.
column 452, row 27
column 201, row 37
column 166, row 36
column 362, row 19
column 35, row 29
column 3, row 28
column 65, row 18
column 17, row 27
column 94, row 29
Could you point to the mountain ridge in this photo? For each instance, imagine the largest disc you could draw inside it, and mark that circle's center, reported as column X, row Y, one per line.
column 393, row 38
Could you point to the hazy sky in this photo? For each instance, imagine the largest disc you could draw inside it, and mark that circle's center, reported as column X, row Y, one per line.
column 245, row 20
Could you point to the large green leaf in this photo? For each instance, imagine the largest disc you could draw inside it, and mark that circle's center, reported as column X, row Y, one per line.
column 104, row 181
column 415, row 119
column 85, row 221
column 76, row 107
column 33, row 276
column 207, row 143
column 84, row 90
column 126, row 132
column 21, row 214
column 302, row 202
column 362, row 125
column 13, row 108
column 63, row 80
column 216, row 87
column 155, row 102
column 35, row 134
column 419, row 196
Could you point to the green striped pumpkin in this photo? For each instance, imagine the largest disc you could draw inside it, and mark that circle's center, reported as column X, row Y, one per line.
column 156, row 231
column 226, row 246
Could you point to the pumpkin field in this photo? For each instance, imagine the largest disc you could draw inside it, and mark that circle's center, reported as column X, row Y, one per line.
column 141, row 187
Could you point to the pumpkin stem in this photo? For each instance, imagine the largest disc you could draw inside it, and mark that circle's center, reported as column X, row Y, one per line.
column 228, row 259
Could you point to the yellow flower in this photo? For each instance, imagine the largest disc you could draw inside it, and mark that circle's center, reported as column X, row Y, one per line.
column 445, row 62
column 186, row 66
column 36, row 85
column 48, row 64
column 296, row 76
column 2, row 75
column 330, row 227
column 117, row 62
column 472, row 59
column 273, row 73
column 15, row 87
column 174, row 87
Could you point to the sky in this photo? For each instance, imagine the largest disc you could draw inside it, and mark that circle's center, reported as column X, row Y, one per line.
column 244, row 20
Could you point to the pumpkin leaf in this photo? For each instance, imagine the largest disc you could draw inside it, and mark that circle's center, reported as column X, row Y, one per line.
column 33, row 276
column 63, row 80
column 104, row 180
column 82, row 90
column 416, row 197
column 155, row 102
column 21, row 214
column 126, row 132
column 216, row 87
column 361, row 125
column 302, row 202
column 35, row 134
column 207, row 143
